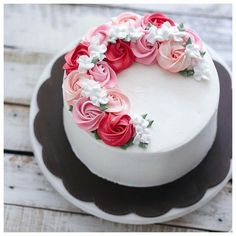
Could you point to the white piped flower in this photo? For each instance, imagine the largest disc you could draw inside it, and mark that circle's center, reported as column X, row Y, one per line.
column 192, row 50
column 125, row 31
column 142, row 138
column 141, row 128
column 118, row 32
column 135, row 33
column 140, row 123
column 201, row 70
column 166, row 32
column 96, row 50
column 93, row 90
column 85, row 63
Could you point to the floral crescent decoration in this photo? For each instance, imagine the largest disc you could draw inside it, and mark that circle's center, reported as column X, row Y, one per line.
column 91, row 68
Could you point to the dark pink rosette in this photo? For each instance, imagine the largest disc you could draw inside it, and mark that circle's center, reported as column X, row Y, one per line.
column 72, row 56
column 119, row 55
column 116, row 130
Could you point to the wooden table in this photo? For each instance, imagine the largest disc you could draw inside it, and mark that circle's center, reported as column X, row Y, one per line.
column 33, row 34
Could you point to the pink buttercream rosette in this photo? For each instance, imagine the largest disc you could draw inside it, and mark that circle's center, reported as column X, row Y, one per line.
column 118, row 102
column 71, row 87
column 104, row 74
column 172, row 56
column 145, row 52
column 86, row 115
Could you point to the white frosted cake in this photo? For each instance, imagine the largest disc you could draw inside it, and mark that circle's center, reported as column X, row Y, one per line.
column 140, row 100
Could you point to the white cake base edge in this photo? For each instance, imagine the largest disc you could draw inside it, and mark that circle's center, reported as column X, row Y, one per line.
column 91, row 207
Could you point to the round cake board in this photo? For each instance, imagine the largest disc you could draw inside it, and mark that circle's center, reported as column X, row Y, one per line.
column 90, row 207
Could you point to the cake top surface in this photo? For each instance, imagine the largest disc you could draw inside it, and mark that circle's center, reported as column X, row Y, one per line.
column 141, row 82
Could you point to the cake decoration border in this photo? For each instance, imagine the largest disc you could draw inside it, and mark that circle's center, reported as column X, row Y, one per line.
column 91, row 68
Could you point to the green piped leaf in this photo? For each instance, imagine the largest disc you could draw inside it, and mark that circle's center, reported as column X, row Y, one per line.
column 94, row 60
column 96, row 134
column 70, row 108
column 202, row 53
column 189, row 41
column 130, row 143
column 181, row 27
column 149, row 25
column 144, row 116
column 187, row 73
column 103, row 107
column 150, row 123
column 111, row 41
column 143, row 145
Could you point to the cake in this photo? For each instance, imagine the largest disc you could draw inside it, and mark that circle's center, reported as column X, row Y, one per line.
column 140, row 98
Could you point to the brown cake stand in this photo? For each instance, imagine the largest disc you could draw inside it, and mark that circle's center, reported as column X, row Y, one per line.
column 111, row 201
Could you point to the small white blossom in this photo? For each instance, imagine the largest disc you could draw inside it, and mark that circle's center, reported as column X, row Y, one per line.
column 142, row 138
column 192, row 51
column 120, row 31
column 140, row 123
column 125, row 31
column 135, row 33
column 93, row 90
column 201, row 70
column 166, row 32
column 85, row 63
column 154, row 35
column 96, row 50
column 172, row 32
column 141, row 129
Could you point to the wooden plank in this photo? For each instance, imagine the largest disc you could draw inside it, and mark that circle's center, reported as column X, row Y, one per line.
column 25, row 185
column 25, row 219
column 216, row 215
column 54, row 26
column 16, row 128
column 201, row 10
column 21, row 72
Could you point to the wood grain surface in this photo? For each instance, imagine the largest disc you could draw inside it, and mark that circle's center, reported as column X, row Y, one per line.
column 32, row 36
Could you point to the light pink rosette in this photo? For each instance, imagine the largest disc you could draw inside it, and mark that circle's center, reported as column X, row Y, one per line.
column 134, row 19
column 172, row 56
column 101, row 30
column 118, row 102
column 86, row 115
column 145, row 52
column 194, row 37
column 71, row 87
column 104, row 74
